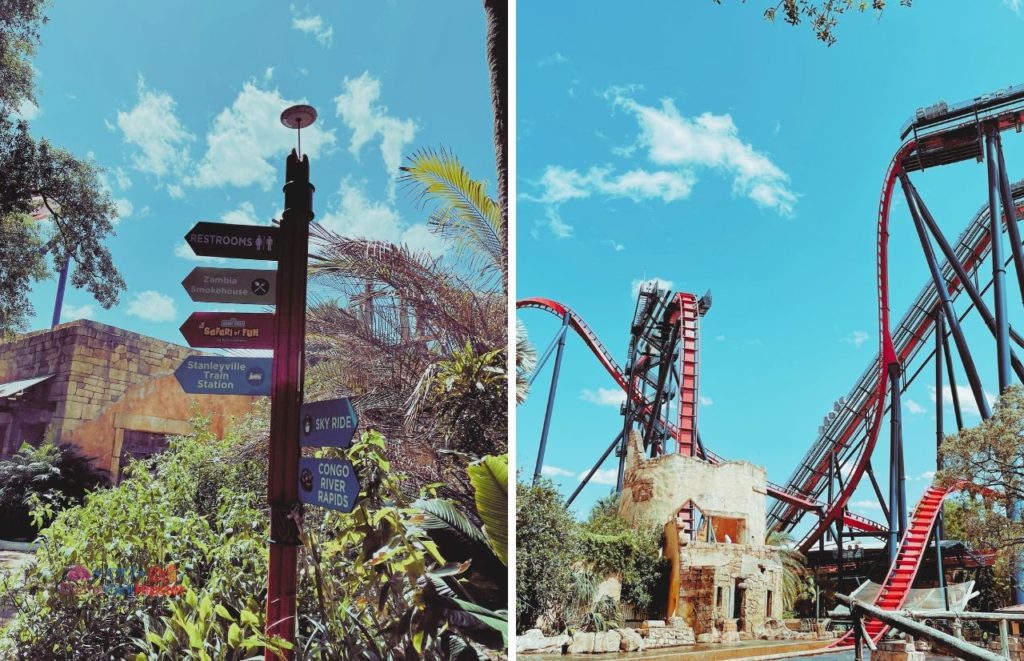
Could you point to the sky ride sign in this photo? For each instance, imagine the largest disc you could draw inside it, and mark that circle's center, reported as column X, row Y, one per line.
column 329, row 483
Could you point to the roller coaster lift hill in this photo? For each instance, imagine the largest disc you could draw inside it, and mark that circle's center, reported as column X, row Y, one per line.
column 660, row 377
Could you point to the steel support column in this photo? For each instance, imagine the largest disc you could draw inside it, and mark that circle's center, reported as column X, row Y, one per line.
column 62, row 284
column 551, row 397
column 998, row 266
column 947, row 305
column 962, row 275
column 593, row 470
column 895, row 440
column 954, row 393
column 1010, row 212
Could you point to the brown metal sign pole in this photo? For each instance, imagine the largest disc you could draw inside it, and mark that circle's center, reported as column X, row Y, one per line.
column 286, row 399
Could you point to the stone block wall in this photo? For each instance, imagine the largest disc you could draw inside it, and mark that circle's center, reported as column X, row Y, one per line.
column 104, row 380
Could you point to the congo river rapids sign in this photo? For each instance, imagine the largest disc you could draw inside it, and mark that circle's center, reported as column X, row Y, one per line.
column 229, row 330
column 213, row 285
column 329, row 483
column 224, row 375
column 241, row 241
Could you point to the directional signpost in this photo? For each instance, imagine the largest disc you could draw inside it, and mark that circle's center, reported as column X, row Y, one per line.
column 213, row 285
column 329, row 483
column 238, row 241
column 332, row 423
column 229, row 330
column 224, row 375
column 292, row 480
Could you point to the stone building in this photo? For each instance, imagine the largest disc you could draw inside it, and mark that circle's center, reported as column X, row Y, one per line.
column 724, row 579
column 108, row 391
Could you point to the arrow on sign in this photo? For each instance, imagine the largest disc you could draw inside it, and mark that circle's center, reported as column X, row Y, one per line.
column 329, row 483
column 224, row 375
column 229, row 330
column 240, row 241
column 331, row 423
column 213, row 285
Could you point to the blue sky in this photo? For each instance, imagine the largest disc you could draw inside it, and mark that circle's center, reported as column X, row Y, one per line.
column 179, row 102
column 702, row 146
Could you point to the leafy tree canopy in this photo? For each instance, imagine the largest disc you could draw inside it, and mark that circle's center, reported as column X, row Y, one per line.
column 35, row 176
column 821, row 15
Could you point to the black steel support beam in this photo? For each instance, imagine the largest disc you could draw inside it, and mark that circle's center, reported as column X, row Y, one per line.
column 947, row 306
column 551, row 397
column 998, row 266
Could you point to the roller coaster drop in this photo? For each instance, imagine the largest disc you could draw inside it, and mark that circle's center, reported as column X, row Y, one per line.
column 660, row 377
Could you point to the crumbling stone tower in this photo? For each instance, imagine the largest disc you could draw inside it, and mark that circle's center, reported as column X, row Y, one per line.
column 724, row 579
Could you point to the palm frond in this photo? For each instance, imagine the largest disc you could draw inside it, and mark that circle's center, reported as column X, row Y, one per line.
column 465, row 214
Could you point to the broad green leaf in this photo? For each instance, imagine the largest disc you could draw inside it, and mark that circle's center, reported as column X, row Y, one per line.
column 489, row 477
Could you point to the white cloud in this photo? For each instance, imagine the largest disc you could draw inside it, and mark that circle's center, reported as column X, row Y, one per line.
column 124, row 182
column 719, row 338
column 856, row 338
column 159, row 138
column 609, row 476
column 314, row 25
column 966, row 397
column 616, row 246
column 661, row 282
column 153, row 306
column 914, row 407
column 866, row 504
column 555, row 471
column 706, row 401
column 357, row 106
column 72, row 312
column 175, row 191
column 561, row 184
column 357, row 216
column 27, row 110
column 553, row 59
column 1013, row 5
column 268, row 74
column 604, row 396
column 124, row 209
column 244, row 214
column 183, row 251
column 708, row 142
column 558, row 227
column 245, row 136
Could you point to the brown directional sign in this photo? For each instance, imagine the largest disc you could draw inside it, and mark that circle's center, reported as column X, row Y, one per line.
column 212, row 285
column 239, row 241
column 229, row 330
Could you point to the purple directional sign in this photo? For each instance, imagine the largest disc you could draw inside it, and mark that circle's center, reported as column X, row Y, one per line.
column 331, row 423
column 224, row 375
column 329, row 483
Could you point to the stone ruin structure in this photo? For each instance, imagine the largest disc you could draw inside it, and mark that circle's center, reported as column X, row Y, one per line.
column 724, row 579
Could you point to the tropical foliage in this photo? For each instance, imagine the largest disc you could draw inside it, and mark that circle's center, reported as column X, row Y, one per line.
column 822, row 15
column 51, row 476
column 991, row 457
column 419, row 341
column 795, row 586
column 373, row 584
column 560, row 562
column 36, row 175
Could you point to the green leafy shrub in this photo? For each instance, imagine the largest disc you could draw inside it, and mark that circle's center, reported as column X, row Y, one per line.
column 51, row 475
column 547, row 549
column 372, row 584
column 612, row 546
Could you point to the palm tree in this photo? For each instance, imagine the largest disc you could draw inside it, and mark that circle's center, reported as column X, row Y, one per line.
column 526, row 362
column 403, row 316
column 794, row 568
column 496, row 12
